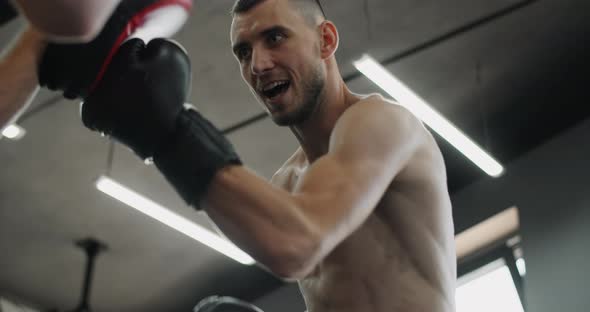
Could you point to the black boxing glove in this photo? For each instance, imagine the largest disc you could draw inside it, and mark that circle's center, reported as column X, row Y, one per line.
column 76, row 69
column 140, row 103
column 141, row 95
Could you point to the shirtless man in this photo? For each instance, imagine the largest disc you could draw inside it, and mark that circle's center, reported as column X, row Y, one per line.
column 360, row 215
column 369, row 178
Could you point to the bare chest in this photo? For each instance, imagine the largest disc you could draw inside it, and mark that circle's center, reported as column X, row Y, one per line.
column 379, row 267
column 369, row 271
column 374, row 245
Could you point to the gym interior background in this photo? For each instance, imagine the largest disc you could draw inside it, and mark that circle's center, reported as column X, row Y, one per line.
column 511, row 74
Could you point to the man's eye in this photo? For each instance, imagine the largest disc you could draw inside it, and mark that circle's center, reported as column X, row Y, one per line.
column 243, row 53
column 276, row 38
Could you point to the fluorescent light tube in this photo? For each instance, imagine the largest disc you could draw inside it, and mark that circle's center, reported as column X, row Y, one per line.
column 13, row 132
column 521, row 266
column 179, row 223
column 410, row 100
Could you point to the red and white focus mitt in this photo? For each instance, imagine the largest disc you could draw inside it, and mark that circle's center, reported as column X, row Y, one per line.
column 76, row 69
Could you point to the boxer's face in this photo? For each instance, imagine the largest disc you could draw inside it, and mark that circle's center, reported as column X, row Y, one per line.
column 280, row 60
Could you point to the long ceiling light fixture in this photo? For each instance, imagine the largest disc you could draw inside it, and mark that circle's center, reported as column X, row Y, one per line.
column 414, row 103
column 175, row 221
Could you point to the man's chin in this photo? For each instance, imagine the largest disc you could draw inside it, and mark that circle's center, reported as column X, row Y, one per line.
column 285, row 115
column 279, row 116
column 281, row 120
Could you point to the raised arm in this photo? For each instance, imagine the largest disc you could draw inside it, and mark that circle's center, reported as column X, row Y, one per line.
column 141, row 106
column 290, row 233
column 18, row 75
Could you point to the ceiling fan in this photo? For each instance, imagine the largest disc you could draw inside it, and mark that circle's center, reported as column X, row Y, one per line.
column 91, row 247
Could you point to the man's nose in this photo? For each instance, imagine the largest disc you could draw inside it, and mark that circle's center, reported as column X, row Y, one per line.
column 261, row 62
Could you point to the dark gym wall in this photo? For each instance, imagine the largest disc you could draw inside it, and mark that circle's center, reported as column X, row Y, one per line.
column 551, row 188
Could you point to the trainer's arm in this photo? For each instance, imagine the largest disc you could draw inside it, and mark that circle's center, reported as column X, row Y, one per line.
column 290, row 233
column 18, row 75
column 68, row 20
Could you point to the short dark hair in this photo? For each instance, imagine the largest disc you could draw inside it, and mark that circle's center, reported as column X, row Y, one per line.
column 309, row 8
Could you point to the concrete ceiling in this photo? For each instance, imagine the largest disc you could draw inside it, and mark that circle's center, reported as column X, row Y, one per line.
column 510, row 82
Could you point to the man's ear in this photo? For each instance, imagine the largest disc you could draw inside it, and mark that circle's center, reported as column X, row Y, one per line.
column 329, row 39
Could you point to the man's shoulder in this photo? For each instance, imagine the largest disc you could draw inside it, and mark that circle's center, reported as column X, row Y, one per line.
column 378, row 112
column 383, row 127
column 391, row 115
column 376, row 105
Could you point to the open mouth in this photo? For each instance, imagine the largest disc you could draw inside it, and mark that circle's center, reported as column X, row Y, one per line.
column 275, row 89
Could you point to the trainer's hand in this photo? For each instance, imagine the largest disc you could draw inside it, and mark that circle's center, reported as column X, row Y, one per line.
column 141, row 95
column 76, row 69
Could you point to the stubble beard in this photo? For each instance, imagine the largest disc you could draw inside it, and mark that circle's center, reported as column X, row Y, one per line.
column 312, row 92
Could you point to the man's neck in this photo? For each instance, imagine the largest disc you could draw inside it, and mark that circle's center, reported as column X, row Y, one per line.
column 314, row 134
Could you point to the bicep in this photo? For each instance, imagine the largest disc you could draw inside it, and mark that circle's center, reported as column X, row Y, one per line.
column 367, row 150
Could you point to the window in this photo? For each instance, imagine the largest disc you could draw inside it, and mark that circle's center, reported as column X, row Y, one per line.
column 489, row 288
column 492, row 281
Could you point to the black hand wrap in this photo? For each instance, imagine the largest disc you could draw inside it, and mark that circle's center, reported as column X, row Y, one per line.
column 193, row 155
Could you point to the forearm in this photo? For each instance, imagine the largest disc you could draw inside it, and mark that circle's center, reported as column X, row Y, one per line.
column 263, row 220
column 18, row 75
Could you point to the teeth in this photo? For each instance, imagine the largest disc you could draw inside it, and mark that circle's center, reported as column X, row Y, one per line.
column 275, row 84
